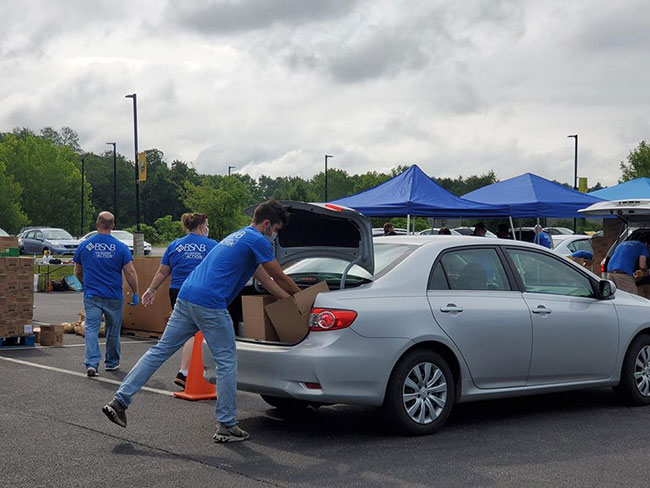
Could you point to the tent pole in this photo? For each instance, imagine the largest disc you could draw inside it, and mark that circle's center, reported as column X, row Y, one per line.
column 512, row 226
column 408, row 224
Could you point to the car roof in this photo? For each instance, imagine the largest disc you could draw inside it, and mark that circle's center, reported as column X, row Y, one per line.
column 422, row 240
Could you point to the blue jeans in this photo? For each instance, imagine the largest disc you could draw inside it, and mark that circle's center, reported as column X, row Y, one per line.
column 111, row 308
column 188, row 318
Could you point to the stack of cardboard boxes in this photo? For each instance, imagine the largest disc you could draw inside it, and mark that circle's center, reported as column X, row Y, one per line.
column 16, row 296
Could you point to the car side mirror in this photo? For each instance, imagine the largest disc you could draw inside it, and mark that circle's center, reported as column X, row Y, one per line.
column 606, row 289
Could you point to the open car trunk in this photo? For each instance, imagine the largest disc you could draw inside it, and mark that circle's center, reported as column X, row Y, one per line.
column 314, row 230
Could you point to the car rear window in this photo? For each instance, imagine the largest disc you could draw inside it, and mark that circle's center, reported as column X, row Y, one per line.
column 317, row 269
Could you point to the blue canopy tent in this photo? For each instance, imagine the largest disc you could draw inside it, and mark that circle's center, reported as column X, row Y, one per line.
column 630, row 190
column 529, row 195
column 414, row 193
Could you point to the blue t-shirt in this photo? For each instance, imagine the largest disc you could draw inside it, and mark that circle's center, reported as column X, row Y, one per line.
column 185, row 254
column 102, row 258
column 225, row 270
column 543, row 239
column 626, row 256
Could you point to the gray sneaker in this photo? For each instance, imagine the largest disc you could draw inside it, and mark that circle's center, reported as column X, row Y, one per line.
column 115, row 412
column 92, row 372
column 112, row 368
column 230, row 434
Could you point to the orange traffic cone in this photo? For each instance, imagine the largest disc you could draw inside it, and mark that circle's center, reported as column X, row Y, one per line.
column 196, row 388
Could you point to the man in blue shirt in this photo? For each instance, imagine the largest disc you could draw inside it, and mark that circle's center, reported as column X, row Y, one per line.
column 202, row 305
column 99, row 263
column 627, row 258
column 542, row 238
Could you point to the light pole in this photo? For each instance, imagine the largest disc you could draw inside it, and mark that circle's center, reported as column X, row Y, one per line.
column 135, row 160
column 575, row 172
column 83, row 170
column 229, row 168
column 114, row 144
column 326, row 156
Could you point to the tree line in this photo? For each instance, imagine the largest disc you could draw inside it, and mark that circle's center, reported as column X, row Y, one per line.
column 40, row 184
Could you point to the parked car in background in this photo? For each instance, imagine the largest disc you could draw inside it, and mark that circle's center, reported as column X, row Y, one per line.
column 3, row 233
column 421, row 323
column 558, row 231
column 468, row 231
column 635, row 215
column 566, row 245
column 379, row 231
column 122, row 236
column 434, row 232
column 55, row 240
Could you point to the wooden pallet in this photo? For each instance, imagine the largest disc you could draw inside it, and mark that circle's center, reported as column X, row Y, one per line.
column 142, row 334
column 25, row 341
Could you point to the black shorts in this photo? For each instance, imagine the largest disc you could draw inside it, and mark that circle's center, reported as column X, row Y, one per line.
column 173, row 294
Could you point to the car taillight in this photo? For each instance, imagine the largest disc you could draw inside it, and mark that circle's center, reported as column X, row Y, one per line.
column 330, row 319
column 602, row 268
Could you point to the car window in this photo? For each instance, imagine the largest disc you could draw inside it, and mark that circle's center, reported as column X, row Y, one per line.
column 38, row 235
column 29, row 235
column 544, row 274
column 474, row 269
column 580, row 245
column 438, row 281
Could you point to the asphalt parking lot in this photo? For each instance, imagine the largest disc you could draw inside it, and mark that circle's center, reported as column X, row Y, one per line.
column 52, row 433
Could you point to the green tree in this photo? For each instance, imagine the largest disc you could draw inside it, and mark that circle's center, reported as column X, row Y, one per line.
column 12, row 218
column 168, row 229
column 638, row 163
column 50, row 178
column 223, row 199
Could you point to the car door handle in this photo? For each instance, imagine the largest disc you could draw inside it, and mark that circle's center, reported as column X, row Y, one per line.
column 542, row 309
column 451, row 308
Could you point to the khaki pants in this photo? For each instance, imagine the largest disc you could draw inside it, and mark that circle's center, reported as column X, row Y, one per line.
column 624, row 282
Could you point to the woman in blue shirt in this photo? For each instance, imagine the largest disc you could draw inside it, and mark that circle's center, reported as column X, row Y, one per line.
column 179, row 260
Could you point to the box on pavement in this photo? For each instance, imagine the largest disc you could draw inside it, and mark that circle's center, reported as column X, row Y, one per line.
column 257, row 324
column 51, row 335
column 290, row 316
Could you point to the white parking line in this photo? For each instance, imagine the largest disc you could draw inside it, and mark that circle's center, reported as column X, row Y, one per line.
column 82, row 375
column 23, row 348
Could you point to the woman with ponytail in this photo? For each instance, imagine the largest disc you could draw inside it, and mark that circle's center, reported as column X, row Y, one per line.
column 179, row 260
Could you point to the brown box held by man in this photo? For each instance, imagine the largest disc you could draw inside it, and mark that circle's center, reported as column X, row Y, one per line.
column 257, row 324
column 290, row 316
column 51, row 335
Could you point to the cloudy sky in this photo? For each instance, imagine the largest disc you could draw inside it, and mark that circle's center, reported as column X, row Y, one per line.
column 270, row 86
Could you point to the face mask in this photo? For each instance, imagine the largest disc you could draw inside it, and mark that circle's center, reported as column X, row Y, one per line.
column 270, row 237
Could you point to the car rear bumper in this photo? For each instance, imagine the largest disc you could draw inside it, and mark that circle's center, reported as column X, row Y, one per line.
column 349, row 368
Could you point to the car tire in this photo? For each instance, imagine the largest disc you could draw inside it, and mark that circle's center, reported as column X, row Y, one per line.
column 420, row 393
column 634, row 387
column 282, row 403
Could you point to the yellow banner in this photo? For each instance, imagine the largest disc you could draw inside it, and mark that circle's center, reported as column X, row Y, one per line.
column 583, row 186
column 142, row 167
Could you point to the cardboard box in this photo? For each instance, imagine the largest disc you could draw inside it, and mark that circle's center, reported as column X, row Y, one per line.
column 51, row 335
column 257, row 324
column 154, row 317
column 290, row 316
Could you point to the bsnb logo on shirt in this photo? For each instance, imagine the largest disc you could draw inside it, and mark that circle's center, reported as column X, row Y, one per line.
column 191, row 247
column 101, row 246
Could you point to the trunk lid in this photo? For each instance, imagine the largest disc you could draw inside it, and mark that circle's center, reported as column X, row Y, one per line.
column 630, row 211
column 324, row 230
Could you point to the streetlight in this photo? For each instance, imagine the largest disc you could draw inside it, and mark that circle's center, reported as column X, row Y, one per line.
column 326, row 156
column 229, row 168
column 135, row 161
column 114, row 144
column 575, row 173
column 83, row 170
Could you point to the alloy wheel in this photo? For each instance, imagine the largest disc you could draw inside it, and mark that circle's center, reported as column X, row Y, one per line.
column 424, row 393
column 642, row 371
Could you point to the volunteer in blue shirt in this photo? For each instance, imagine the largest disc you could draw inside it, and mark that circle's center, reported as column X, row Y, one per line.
column 202, row 305
column 179, row 260
column 627, row 258
column 542, row 238
column 99, row 264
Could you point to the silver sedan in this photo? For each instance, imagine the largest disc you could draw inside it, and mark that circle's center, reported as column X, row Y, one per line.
column 445, row 320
